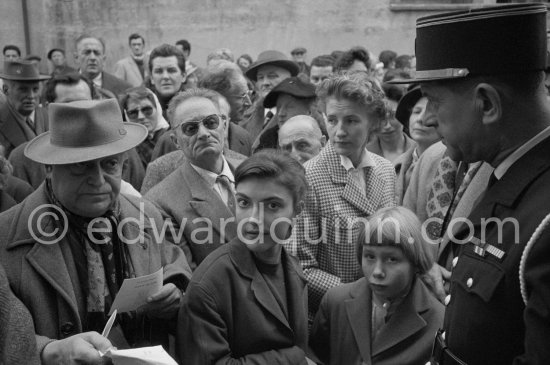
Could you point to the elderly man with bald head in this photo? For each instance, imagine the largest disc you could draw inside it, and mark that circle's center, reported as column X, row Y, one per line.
column 301, row 136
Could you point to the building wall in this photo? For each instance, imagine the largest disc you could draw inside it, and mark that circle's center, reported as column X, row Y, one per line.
column 244, row 26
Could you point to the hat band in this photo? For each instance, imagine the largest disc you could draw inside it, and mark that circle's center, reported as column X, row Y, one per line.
column 446, row 73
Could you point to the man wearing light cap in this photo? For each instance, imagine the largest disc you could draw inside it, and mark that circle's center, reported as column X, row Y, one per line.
column 69, row 246
column 483, row 74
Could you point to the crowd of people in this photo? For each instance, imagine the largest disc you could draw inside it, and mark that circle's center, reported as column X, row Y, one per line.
column 358, row 209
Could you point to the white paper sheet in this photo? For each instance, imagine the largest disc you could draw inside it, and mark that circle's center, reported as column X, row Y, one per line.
column 141, row 356
column 134, row 292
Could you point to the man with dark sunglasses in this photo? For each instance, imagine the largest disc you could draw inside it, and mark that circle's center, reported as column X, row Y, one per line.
column 198, row 197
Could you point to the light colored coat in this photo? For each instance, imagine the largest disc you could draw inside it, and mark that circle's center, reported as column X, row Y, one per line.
column 201, row 220
column 44, row 276
column 127, row 70
column 341, row 332
column 326, row 231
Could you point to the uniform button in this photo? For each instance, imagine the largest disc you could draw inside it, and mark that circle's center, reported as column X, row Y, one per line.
column 447, row 299
column 455, row 261
column 469, row 282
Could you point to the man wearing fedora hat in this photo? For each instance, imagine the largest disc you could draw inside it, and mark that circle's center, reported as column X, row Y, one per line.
column 292, row 96
column 68, row 247
column 268, row 71
column 21, row 119
column 482, row 71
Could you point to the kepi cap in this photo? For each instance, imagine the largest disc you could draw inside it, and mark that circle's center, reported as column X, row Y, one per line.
column 481, row 41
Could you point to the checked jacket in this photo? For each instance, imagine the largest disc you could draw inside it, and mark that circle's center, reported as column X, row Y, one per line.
column 326, row 232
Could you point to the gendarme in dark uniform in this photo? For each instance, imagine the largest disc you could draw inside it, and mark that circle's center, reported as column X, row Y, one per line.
column 466, row 63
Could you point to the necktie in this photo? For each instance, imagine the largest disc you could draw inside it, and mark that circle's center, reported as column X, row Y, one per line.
column 268, row 117
column 224, row 181
column 30, row 123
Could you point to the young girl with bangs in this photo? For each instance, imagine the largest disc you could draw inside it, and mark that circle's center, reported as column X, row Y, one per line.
column 389, row 316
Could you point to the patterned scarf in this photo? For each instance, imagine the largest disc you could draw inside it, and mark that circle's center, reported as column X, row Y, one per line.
column 102, row 265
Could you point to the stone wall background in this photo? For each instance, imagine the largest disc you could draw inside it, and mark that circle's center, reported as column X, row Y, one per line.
column 244, row 26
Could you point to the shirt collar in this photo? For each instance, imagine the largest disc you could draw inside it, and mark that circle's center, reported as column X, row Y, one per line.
column 272, row 110
column 366, row 161
column 98, row 80
column 211, row 177
column 517, row 154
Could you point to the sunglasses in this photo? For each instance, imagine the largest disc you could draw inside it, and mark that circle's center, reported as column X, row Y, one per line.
column 211, row 122
column 146, row 110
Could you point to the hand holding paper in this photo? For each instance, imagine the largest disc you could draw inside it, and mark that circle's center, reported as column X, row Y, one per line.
column 134, row 292
column 165, row 303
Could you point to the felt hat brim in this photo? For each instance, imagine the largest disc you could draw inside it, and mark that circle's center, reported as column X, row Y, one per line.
column 42, row 151
column 21, row 78
column 407, row 102
column 291, row 66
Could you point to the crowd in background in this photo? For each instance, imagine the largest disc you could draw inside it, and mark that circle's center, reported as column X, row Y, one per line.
column 361, row 158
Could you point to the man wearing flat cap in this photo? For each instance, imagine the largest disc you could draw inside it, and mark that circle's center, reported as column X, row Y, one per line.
column 268, row 71
column 69, row 246
column 21, row 119
column 482, row 71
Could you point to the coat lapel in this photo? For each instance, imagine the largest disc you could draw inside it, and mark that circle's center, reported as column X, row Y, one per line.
column 207, row 203
column 359, row 310
column 404, row 323
column 40, row 120
column 364, row 201
column 508, row 190
column 10, row 128
column 46, row 259
column 466, row 204
column 297, row 302
column 243, row 261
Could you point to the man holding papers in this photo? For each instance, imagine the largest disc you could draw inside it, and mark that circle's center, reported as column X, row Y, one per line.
column 70, row 245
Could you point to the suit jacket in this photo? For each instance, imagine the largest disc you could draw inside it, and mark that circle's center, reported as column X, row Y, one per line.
column 127, row 69
column 325, row 232
column 341, row 332
column 163, row 166
column 44, row 276
column 230, row 315
column 12, row 133
column 114, row 84
column 486, row 320
column 26, row 169
column 254, row 123
column 202, row 222
column 239, row 141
